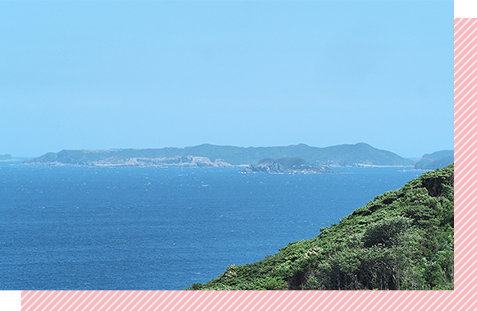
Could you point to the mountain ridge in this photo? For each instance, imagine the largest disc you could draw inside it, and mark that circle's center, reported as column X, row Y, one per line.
column 360, row 154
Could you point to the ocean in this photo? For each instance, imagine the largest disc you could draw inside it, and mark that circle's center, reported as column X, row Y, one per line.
column 90, row 228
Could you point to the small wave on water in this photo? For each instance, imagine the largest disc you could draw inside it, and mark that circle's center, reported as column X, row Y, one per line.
column 82, row 228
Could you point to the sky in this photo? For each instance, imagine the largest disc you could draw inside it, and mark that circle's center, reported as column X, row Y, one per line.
column 154, row 74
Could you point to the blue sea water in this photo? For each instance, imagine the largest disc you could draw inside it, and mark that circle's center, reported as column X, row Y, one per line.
column 162, row 228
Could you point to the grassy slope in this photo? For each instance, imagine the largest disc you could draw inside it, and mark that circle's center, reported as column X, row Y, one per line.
column 403, row 239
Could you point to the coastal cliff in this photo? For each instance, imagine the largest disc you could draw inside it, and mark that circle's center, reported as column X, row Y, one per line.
column 176, row 161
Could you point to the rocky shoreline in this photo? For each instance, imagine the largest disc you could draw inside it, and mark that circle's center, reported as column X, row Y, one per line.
column 286, row 166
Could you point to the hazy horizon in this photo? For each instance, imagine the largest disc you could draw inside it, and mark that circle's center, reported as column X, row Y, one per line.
column 103, row 75
column 403, row 156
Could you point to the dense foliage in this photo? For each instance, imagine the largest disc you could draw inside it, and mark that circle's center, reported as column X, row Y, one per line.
column 403, row 239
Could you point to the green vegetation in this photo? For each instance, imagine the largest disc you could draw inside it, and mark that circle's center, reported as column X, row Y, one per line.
column 403, row 239
column 341, row 155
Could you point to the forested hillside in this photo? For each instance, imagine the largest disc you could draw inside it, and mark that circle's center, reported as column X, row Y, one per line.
column 403, row 239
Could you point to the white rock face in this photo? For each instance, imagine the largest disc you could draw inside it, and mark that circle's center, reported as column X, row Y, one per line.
column 273, row 167
column 176, row 161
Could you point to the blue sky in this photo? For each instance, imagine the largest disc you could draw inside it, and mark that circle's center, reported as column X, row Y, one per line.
column 100, row 75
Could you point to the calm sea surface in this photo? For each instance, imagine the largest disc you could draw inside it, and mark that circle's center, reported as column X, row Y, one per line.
column 162, row 228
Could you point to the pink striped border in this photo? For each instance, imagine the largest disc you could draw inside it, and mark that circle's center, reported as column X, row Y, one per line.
column 462, row 298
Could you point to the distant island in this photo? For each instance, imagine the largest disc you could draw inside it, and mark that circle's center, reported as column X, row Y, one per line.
column 6, row 157
column 438, row 159
column 286, row 166
column 360, row 154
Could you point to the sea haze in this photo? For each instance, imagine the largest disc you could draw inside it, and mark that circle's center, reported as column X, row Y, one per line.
column 87, row 228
